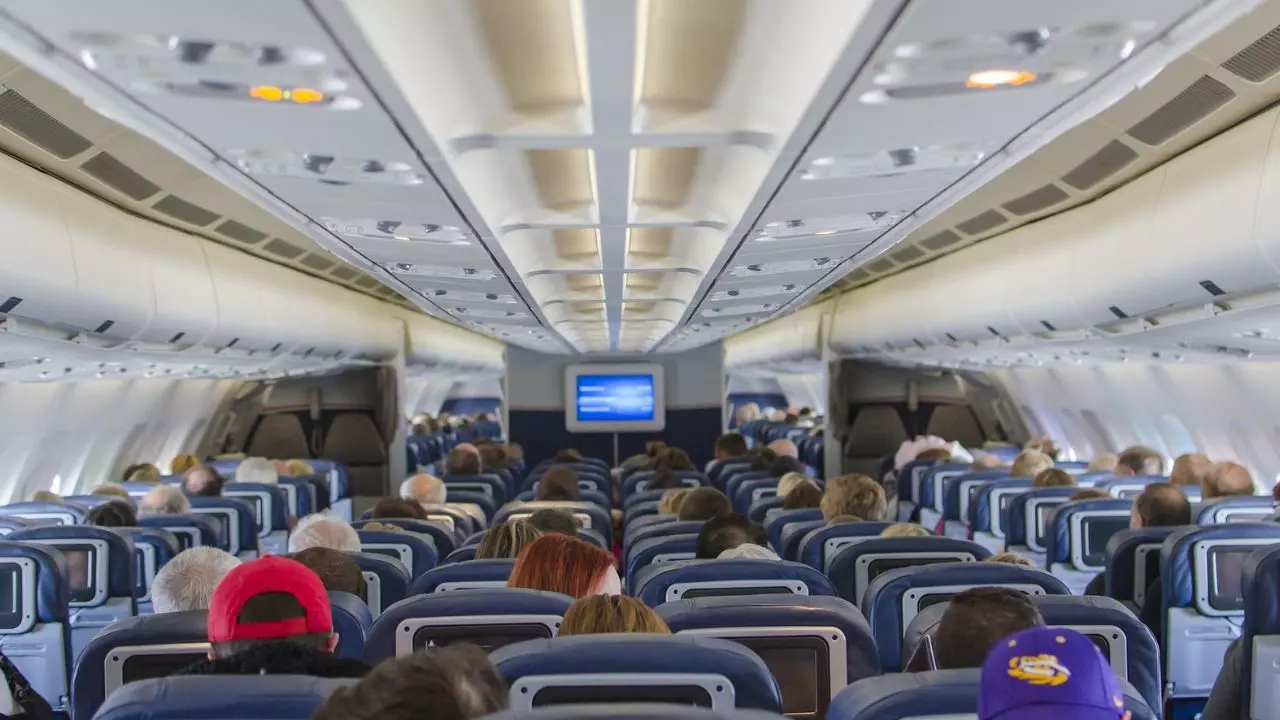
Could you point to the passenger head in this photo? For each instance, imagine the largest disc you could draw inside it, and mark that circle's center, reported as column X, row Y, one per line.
column 723, row 533
column 784, row 448
column 182, row 463
column 762, row 459
column 560, row 484
column 1139, row 460
column 515, row 452
column 336, row 570
column 730, row 445
column 672, row 500
column 905, row 530
column 257, row 470
column 804, row 495
column 664, row 480
column 573, row 567
column 202, row 481
column 506, row 539
column 110, row 490
column 599, row 614
column 1161, row 504
column 550, row 520
column 1010, row 558
column 844, row 520
column 164, row 500
column 46, row 496
column 1044, row 445
column 790, row 482
column 187, row 581
column 1053, row 477
column 398, row 508
column 322, row 530
column 450, row 683
column 1227, row 479
column 269, row 600
column 983, row 463
column 1088, row 494
column 977, row 619
column 143, row 472
column 1190, row 469
column 672, row 459
column 784, row 465
column 116, row 513
column 493, row 456
column 704, row 503
column 927, row 454
column 853, row 495
column 749, row 551
column 1049, row 674
column 298, row 468
column 462, row 461
column 654, row 448
column 568, row 456
column 1105, row 462
column 1030, row 463
column 424, row 489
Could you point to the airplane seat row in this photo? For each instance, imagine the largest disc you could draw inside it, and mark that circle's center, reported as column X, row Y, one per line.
column 681, row 579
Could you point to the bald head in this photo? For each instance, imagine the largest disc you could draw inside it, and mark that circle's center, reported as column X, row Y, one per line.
column 1190, row 469
column 1227, row 479
column 1161, row 504
column 785, row 448
column 202, row 481
column 164, row 500
column 425, row 489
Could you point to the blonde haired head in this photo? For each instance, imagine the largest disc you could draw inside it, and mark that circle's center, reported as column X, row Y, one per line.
column 905, row 530
column 1030, row 463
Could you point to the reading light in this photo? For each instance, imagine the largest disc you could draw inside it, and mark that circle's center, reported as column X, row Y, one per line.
column 987, row 79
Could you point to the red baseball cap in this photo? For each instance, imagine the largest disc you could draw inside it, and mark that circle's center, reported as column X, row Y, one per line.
column 265, row 575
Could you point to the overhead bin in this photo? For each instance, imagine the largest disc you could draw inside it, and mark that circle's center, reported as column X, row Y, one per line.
column 791, row 344
column 433, row 344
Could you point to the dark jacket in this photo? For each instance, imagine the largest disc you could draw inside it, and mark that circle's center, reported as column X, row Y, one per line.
column 1227, row 701
column 280, row 658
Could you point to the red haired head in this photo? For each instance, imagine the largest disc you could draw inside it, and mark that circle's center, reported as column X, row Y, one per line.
column 559, row 563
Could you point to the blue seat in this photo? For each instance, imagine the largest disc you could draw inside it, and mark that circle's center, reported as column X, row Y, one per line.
column 910, row 478
column 386, row 580
column 932, row 492
column 665, row 582
column 300, row 496
column 734, row 483
column 818, row 547
column 588, row 514
column 646, row 509
column 642, row 497
column 719, row 472
column 764, row 624
column 688, row 670
column 631, row 711
column 88, row 502
column 100, row 575
column 206, row 697
column 137, row 490
column 462, row 554
column 1201, row 571
column 1133, row 564
column 490, row 485
column 457, row 520
column 1028, row 520
column 42, row 513
column 656, row 550
column 752, row 491
column 793, row 537
column 583, row 469
column 445, row 540
column 37, row 633
column 1077, row 536
column 489, row 617
column 894, row 598
column 587, row 483
column 855, row 567
column 136, row 649
column 469, row 500
column 1249, row 508
column 644, row 521
column 957, row 490
column 339, row 480
column 592, row 496
column 12, row 523
column 661, row 529
column 1132, row 486
column 638, row 482
column 1259, row 634
column 237, row 521
column 779, row 522
column 351, row 621
column 191, row 530
column 1093, row 479
column 467, row 575
column 987, row 511
column 415, row 553
column 940, row 693
column 759, row 512
column 271, row 508
column 152, row 549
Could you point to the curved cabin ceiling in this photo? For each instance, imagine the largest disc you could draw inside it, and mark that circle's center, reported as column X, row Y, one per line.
column 623, row 176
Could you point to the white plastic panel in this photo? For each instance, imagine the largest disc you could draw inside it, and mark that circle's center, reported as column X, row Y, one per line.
column 242, row 307
column 183, row 288
column 795, row 339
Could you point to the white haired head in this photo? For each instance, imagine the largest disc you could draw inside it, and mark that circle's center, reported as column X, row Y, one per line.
column 425, row 489
column 257, row 470
column 187, row 581
column 323, row 530
column 749, row 551
column 164, row 500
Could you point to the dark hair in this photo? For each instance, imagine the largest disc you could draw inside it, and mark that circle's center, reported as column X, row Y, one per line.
column 550, row 520
column 271, row 607
column 979, row 618
column 398, row 508
column 568, row 456
column 213, row 488
column 790, row 418
column 653, row 447
column 558, row 483
column 731, row 444
column 785, row 464
column 462, row 462
column 1163, row 504
column 664, row 480
column 804, row 495
column 723, row 533
column 113, row 513
column 763, row 460
column 704, row 503
column 672, row 459
column 492, row 455
column 335, row 569
column 1141, row 460
column 450, row 683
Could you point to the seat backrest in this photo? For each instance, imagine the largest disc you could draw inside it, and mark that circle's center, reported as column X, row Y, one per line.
column 43, row 513
column 237, row 521
column 1029, row 514
column 793, row 537
column 35, row 625
column 910, row 478
column 415, row 553
column 100, row 564
column 588, row 514
column 894, row 598
column 351, row 621
column 386, row 580
column 774, row 526
column 490, row 485
column 813, row 645
column 13, row 523
column 655, row 550
column 932, row 489
column 262, row 697
column 1133, row 563
column 467, row 575
column 191, row 530
column 452, row 518
column 1260, row 633
column 138, row 648
column 855, row 567
column 1131, row 486
column 666, row 582
column 1249, row 508
column 819, row 546
column 463, row 498
column 637, row 511
column 631, row 711
column 689, row 670
column 659, row 529
column 753, row 491
column 1078, row 532
column 760, row 511
column 990, row 501
column 489, row 618
column 596, row 497
column 959, row 489
column 639, row 482
column 444, row 539
column 271, row 509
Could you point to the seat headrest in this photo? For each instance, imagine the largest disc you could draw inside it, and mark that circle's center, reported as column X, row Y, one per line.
column 632, row 711
column 423, row 547
column 951, row 487
column 1177, row 556
column 120, row 580
column 778, row 611
column 906, row 479
column 1131, row 484
column 1215, row 511
column 1017, row 531
column 633, row 654
column 247, row 534
column 470, row 571
column 278, row 519
column 510, row 602
column 209, row 528
column 929, row 483
column 813, row 546
column 760, row 510
column 1261, row 586
column 1058, row 535
column 980, row 510
column 52, row 592
column 393, row 578
column 1122, row 558
column 444, row 538
column 249, row 697
column 351, row 621
column 601, row 522
column 883, row 601
column 73, row 513
column 844, row 566
column 777, row 523
column 658, row 528
column 646, row 552
column 660, row 583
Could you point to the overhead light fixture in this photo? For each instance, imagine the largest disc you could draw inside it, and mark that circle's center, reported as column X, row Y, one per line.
column 370, row 229
column 786, row 266
column 887, row 163
column 755, row 292
column 986, row 79
column 804, row 229
column 440, row 271
column 326, row 168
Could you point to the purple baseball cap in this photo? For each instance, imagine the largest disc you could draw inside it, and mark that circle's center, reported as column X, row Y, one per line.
column 1048, row 674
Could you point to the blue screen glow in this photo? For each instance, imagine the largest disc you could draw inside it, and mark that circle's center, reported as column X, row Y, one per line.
column 615, row 398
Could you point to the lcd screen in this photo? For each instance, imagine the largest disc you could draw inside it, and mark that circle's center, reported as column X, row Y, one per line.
column 10, row 591
column 800, row 667
column 615, row 398
column 1226, row 565
column 1097, row 531
column 1044, row 515
column 80, row 574
column 486, row 637
column 880, row 566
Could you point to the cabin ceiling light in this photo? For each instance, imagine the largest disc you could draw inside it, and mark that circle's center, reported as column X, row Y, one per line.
column 326, row 168
column 369, row 229
column 805, row 229
column 888, row 163
column 754, row 292
column 440, row 271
